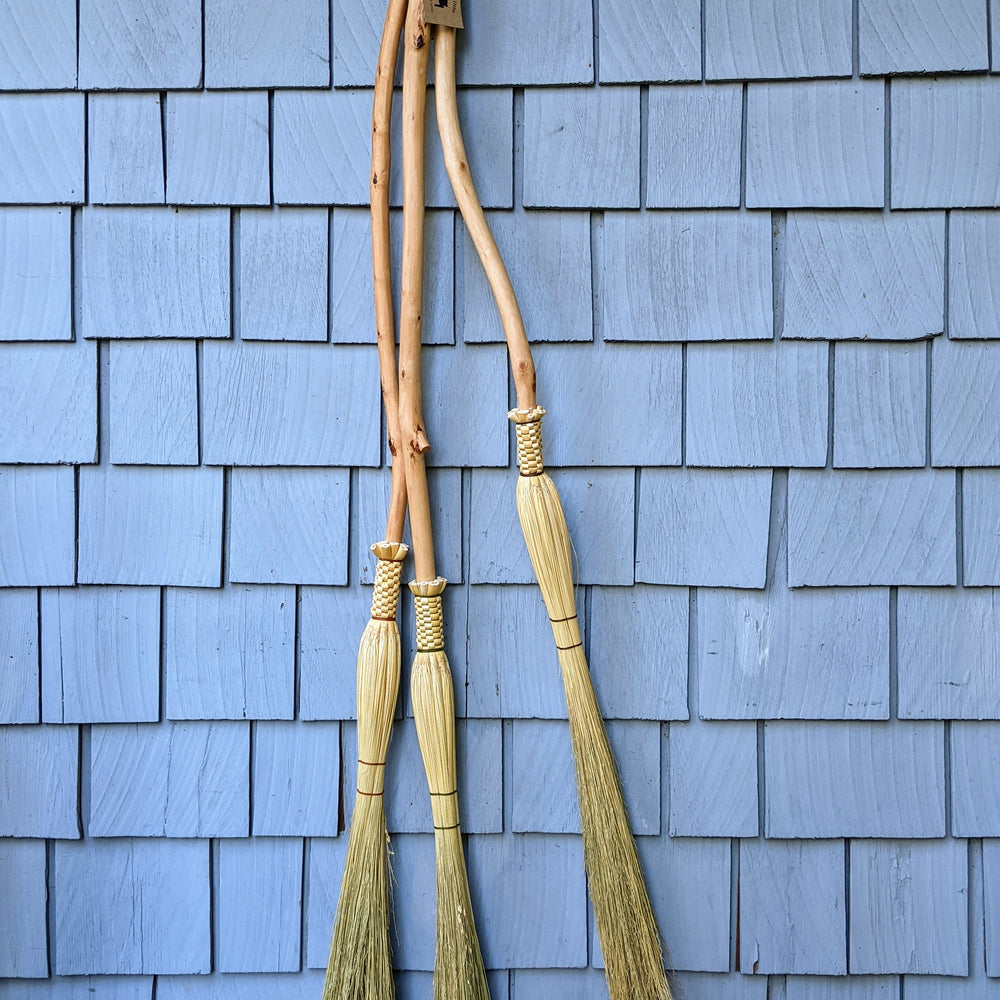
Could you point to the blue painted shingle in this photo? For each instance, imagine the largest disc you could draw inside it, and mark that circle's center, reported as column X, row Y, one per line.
column 41, row 148
column 39, row 45
column 351, row 305
column 24, row 944
column 849, row 529
column 729, row 986
column 100, row 654
column 975, row 773
column 229, row 653
column 132, row 907
column 130, row 45
column 38, row 781
column 581, row 148
column 854, row 779
column 37, row 527
column 356, row 35
column 909, row 907
column 81, row 988
column 295, row 779
column 843, row 987
column 793, row 915
column 777, row 38
column 542, row 984
column 965, row 393
column 176, row 779
column 324, row 864
column 153, row 402
column 716, row 523
column 717, row 287
column 182, row 254
column 973, row 285
column 150, row 525
column 694, row 146
column 864, row 275
column 640, row 41
column 265, row 935
column 879, row 405
column 35, row 283
column 815, row 145
column 412, row 924
column 991, row 882
column 283, row 274
column 250, row 986
column 124, row 148
column 19, row 694
column 981, row 540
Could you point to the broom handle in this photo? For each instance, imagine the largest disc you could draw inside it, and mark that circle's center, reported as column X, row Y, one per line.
column 381, row 256
column 457, row 164
column 416, row 49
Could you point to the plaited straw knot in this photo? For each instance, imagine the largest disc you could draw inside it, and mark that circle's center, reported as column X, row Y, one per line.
column 430, row 618
column 388, row 570
column 528, row 429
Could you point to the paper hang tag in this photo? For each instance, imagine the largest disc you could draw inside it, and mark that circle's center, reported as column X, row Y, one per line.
column 447, row 12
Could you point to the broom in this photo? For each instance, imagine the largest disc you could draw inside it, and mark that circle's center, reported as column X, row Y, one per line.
column 630, row 939
column 458, row 962
column 360, row 966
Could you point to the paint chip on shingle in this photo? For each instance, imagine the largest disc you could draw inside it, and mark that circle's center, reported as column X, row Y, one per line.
column 39, row 769
column 37, row 526
column 965, row 397
column 24, row 939
column 39, row 45
column 19, row 693
column 125, row 148
column 642, row 40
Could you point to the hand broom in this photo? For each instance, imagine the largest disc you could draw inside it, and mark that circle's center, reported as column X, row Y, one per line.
column 626, row 925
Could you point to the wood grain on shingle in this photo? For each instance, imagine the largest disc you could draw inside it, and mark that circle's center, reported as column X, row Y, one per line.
column 991, row 882
column 48, row 403
column 251, row 986
column 641, row 41
column 581, row 148
column 815, row 145
column 980, row 537
column 155, row 272
column 35, row 285
column 854, row 779
column 153, row 402
column 324, row 864
column 263, row 936
column 100, row 654
column 132, row 907
column 356, row 33
column 949, row 663
column 973, row 282
column 41, row 148
column 38, row 51
column 38, row 506
column 945, row 145
column 124, row 149
column 351, row 305
column 150, row 525
column 82, row 988
column 686, row 276
column 289, row 404
column 868, row 276
column 879, row 405
column 19, row 693
column 793, row 910
column 24, row 939
column 132, row 45
column 975, row 772
column 921, row 36
column 965, row 395
column 39, row 770
column 843, row 987
column 777, row 38
column 909, row 907
column 862, row 529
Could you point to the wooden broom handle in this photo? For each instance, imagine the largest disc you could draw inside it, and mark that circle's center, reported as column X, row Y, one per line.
column 457, row 165
column 416, row 49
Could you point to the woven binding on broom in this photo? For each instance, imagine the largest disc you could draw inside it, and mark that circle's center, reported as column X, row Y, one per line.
column 528, row 430
column 388, row 572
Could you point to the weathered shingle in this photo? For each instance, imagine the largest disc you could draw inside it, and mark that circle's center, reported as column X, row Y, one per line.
column 921, row 36
column 854, row 779
column 250, row 986
column 641, row 40
column 259, row 905
column 132, row 907
column 843, row 987
column 100, row 654
column 815, row 145
column 351, row 305
column 155, row 272
column 777, row 38
column 229, row 653
column 39, row 769
column 174, row 779
column 289, row 404
column 24, row 939
column 725, row 986
column 879, row 405
column 283, row 274
column 581, row 148
column 694, row 146
column 975, row 771
column 267, row 43
column 869, row 276
column 991, row 882
column 965, row 393
column 19, row 693
column 153, row 402
column 981, row 540
column 131, row 45
column 793, row 912
column 860, row 529
column 39, row 45
column 125, row 148
column 37, row 526
column 48, row 403
column 150, row 525
column 81, row 988
column 713, row 276
column 35, row 285
column 973, row 285
column 909, row 907
column 217, row 148
column 41, row 148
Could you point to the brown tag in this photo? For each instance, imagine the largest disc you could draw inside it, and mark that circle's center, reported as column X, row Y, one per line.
column 447, row 12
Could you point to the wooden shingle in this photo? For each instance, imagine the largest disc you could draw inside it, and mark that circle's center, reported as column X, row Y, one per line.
column 42, row 148
column 19, row 693
column 125, row 149
column 24, row 938
column 39, row 770
column 37, row 526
